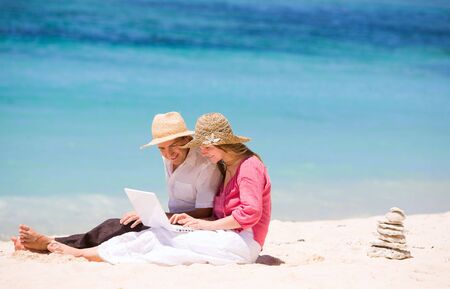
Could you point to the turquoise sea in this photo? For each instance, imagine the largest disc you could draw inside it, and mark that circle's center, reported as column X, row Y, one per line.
column 347, row 102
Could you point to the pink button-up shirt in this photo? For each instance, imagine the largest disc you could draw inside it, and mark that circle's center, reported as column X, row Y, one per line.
column 247, row 198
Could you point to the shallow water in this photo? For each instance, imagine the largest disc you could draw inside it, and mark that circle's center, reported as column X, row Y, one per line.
column 349, row 105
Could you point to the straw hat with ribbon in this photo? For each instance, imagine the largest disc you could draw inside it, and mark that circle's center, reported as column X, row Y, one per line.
column 214, row 129
column 167, row 126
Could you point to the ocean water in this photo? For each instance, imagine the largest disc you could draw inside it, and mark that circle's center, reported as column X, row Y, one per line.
column 347, row 102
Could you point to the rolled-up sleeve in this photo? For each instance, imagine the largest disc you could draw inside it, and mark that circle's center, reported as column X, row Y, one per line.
column 251, row 183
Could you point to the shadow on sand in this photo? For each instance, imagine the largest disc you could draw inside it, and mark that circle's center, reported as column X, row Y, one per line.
column 269, row 260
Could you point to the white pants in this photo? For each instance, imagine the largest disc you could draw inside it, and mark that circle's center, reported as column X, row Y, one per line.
column 164, row 247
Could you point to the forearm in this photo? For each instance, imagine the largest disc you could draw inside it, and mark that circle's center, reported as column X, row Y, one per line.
column 226, row 223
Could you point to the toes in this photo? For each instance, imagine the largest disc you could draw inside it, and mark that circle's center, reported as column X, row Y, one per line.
column 22, row 232
column 24, row 227
column 25, row 238
column 17, row 244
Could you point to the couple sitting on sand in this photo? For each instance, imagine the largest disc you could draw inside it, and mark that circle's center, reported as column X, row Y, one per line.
column 216, row 184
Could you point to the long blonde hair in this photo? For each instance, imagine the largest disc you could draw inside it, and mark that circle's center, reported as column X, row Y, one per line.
column 239, row 149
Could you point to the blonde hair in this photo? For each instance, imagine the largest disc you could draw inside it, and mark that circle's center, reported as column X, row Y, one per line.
column 239, row 149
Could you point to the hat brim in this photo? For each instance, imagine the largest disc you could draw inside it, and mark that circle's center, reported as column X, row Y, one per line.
column 234, row 140
column 156, row 141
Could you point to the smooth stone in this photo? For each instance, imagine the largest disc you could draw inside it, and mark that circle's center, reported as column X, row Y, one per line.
column 400, row 223
column 394, row 217
column 390, row 232
column 390, row 223
column 391, row 239
column 398, row 210
column 383, row 244
column 388, row 253
column 392, row 227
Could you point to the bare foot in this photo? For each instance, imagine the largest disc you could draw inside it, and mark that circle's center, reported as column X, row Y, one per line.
column 18, row 246
column 33, row 240
column 60, row 248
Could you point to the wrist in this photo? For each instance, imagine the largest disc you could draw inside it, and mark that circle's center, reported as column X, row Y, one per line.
column 209, row 225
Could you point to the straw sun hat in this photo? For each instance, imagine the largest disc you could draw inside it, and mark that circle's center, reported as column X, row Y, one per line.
column 214, row 129
column 167, row 126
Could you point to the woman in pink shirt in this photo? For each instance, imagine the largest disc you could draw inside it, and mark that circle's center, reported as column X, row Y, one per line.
column 242, row 208
column 243, row 201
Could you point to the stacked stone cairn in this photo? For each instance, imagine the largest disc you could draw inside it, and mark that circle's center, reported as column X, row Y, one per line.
column 391, row 242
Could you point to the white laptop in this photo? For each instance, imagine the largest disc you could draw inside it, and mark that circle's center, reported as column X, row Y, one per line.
column 149, row 209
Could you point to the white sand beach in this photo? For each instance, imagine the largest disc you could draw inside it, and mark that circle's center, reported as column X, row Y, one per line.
column 319, row 254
